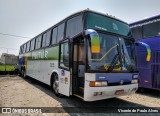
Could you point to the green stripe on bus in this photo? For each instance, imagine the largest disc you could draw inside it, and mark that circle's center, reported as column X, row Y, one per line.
column 44, row 54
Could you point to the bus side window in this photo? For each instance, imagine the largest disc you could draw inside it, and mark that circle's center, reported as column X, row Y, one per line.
column 74, row 26
column 54, row 36
column 44, row 40
column 137, row 32
column 60, row 34
column 32, row 45
column 21, row 50
column 151, row 30
column 64, row 56
column 24, row 48
column 28, row 47
column 48, row 38
column 38, row 42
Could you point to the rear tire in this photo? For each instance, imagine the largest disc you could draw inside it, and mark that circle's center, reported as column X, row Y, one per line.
column 23, row 73
column 55, row 85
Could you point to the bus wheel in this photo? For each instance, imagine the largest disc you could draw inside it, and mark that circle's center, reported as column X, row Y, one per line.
column 23, row 73
column 55, row 85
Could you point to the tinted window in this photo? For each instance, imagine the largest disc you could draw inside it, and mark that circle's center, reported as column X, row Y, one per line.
column 24, row 48
column 48, row 38
column 54, row 36
column 60, row 32
column 38, row 42
column 32, row 45
column 151, row 30
column 44, row 40
column 137, row 32
column 64, row 57
column 74, row 26
column 96, row 21
column 21, row 50
column 28, row 46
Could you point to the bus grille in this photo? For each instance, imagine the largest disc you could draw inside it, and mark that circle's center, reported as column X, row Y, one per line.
column 116, row 84
column 156, row 57
column 155, row 68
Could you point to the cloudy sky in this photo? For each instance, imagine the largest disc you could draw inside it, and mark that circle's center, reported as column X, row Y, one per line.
column 27, row 18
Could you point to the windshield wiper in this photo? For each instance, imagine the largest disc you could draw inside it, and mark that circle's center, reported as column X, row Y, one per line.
column 123, row 54
column 114, row 61
column 129, row 67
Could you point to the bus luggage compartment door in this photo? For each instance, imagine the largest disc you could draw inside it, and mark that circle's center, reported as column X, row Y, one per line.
column 64, row 82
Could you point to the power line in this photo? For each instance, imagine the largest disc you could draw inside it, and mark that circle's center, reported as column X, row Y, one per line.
column 9, row 48
column 13, row 35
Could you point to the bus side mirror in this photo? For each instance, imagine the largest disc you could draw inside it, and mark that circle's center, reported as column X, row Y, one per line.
column 148, row 49
column 95, row 44
column 95, row 40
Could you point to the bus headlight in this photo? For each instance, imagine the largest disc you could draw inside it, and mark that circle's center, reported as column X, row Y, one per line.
column 134, row 81
column 135, row 76
column 97, row 84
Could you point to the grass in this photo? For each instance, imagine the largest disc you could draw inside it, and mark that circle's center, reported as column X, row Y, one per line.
column 8, row 67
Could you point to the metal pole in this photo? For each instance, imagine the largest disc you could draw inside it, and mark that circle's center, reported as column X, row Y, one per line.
column 5, row 60
column 5, row 63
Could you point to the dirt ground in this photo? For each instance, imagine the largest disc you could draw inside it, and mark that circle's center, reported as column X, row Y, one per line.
column 19, row 92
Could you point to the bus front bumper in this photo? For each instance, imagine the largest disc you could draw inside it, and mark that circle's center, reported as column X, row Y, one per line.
column 99, row 93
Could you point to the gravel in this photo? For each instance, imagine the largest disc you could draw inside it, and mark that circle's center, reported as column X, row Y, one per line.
column 19, row 92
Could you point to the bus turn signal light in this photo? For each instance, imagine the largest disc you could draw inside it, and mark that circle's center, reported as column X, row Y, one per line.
column 98, row 84
column 92, row 83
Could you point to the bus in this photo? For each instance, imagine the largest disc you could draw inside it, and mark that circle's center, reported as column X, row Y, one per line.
column 88, row 54
column 148, row 31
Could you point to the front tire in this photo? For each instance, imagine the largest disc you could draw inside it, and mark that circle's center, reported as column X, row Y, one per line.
column 55, row 85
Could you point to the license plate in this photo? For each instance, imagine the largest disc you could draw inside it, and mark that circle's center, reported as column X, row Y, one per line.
column 118, row 92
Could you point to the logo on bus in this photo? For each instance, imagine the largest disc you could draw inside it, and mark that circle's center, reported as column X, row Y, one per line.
column 40, row 55
column 62, row 72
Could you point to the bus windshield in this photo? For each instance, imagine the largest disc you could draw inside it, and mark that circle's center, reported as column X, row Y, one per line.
column 115, row 52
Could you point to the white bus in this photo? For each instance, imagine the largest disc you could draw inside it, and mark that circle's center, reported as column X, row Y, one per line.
column 88, row 54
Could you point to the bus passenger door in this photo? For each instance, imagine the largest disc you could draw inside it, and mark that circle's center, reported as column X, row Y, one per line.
column 78, row 66
column 64, row 73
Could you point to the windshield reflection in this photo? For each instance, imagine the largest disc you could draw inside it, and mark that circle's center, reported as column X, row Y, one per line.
column 110, row 47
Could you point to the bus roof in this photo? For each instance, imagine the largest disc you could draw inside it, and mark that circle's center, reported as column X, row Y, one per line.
column 144, row 19
column 74, row 14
